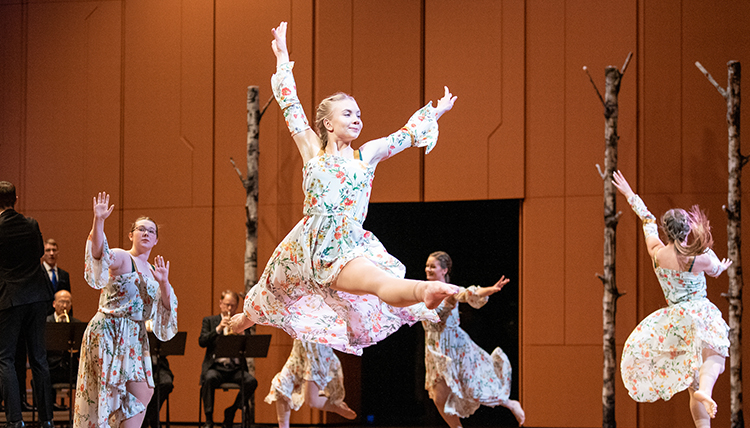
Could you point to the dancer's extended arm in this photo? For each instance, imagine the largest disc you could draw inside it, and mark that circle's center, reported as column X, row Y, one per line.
column 420, row 131
column 650, row 230
column 285, row 92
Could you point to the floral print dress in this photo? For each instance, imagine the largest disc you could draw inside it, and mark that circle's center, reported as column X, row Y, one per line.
column 308, row 362
column 473, row 376
column 664, row 353
column 294, row 292
column 115, row 346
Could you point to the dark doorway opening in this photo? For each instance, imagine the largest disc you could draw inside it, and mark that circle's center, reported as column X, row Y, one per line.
column 482, row 239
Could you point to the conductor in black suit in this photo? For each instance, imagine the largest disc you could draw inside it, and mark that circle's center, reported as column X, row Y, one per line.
column 25, row 295
column 216, row 371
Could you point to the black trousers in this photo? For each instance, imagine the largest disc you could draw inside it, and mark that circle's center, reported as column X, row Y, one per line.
column 27, row 323
column 217, row 375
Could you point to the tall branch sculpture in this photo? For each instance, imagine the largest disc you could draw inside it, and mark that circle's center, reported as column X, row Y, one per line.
column 734, row 236
column 613, row 77
column 250, row 183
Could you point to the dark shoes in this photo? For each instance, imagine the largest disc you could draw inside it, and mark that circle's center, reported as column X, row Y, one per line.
column 229, row 417
column 18, row 424
column 48, row 424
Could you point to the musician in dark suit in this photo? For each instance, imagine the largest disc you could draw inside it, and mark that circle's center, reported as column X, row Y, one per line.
column 59, row 363
column 216, row 371
column 25, row 295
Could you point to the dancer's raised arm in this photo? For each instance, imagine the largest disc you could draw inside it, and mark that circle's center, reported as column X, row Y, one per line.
column 285, row 92
column 650, row 230
column 420, row 131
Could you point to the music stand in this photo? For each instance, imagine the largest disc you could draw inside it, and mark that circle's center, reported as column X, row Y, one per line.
column 174, row 346
column 66, row 337
column 242, row 346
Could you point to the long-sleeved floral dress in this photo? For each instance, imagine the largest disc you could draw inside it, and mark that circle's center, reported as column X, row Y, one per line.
column 665, row 351
column 294, row 293
column 115, row 346
column 473, row 376
column 308, row 362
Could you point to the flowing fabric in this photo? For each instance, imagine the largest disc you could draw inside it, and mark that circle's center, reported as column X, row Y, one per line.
column 473, row 376
column 664, row 353
column 308, row 362
column 115, row 346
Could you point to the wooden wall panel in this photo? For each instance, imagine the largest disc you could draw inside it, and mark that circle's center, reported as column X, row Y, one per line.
column 543, row 234
column 597, row 34
column 545, row 98
column 12, row 96
column 547, row 403
column 387, row 86
column 458, row 168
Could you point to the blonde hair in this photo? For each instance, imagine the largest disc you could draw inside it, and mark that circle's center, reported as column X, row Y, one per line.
column 324, row 111
column 678, row 223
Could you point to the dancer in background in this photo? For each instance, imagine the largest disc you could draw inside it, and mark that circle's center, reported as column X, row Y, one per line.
column 115, row 382
column 460, row 376
column 331, row 281
column 682, row 346
column 311, row 374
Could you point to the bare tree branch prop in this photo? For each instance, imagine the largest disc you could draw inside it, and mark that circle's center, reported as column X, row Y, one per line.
column 591, row 79
column 613, row 78
column 711, row 79
column 734, row 234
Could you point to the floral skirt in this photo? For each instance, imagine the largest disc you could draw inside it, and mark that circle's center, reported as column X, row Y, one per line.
column 294, row 291
column 114, row 351
column 664, row 352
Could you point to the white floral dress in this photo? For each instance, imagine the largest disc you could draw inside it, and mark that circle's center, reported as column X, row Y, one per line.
column 115, row 346
column 664, row 353
column 294, row 293
column 308, row 362
column 473, row 376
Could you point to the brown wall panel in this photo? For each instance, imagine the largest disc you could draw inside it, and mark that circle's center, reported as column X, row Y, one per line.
column 12, row 94
column 543, row 234
column 545, row 98
column 505, row 163
column 387, row 86
column 458, row 168
column 597, row 34
column 584, row 223
column 547, row 404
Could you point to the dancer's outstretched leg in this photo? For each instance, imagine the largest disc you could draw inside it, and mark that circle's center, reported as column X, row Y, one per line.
column 361, row 276
column 515, row 407
column 713, row 366
column 440, row 394
column 283, row 412
column 314, row 399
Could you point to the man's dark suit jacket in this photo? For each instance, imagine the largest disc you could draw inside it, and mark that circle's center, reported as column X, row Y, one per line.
column 207, row 340
column 22, row 278
column 63, row 279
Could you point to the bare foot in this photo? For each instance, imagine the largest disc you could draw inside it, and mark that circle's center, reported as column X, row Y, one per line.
column 517, row 410
column 707, row 402
column 433, row 292
column 342, row 409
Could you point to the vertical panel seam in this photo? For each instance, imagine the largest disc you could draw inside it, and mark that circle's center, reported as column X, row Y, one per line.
column 121, row 198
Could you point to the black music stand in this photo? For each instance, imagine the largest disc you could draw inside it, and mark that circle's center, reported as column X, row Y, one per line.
column 66, row 337
column 174, row 346
column 242, row 346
